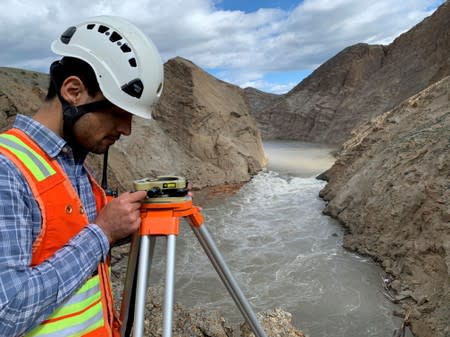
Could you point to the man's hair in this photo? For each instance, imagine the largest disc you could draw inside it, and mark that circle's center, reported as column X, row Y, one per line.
column 70, row 66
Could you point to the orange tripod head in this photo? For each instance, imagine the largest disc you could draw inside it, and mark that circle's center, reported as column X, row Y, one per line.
column 167, row 200
column 164, row 218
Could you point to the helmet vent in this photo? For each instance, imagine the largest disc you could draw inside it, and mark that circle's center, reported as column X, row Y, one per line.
column 102, row 29
column 132, row 62
column 67, row 35
column 115, row 37
column 134, row 88
column 125, row 48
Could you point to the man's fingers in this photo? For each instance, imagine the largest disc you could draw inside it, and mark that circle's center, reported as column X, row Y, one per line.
column 134, row 196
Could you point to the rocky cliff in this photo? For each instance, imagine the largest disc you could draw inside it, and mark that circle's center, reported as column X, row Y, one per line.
column 390, row 188
column 202, row 129
column 359, row 83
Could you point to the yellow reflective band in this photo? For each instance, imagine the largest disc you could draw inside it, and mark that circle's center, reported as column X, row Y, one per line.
column 42, row 161
column 38, row 166
column 81, row 299
column 74, row 326
column 91, row 282
column 76, row 307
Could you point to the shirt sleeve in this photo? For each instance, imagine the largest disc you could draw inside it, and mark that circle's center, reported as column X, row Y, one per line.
column 29, row 294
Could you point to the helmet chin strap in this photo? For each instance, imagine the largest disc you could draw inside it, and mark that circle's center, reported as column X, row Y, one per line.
column 71, row 113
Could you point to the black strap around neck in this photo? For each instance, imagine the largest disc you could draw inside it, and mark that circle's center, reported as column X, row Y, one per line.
column 72, row 113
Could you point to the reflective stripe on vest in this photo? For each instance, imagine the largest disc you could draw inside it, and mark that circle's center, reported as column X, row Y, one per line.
column 37, row 165
column 81, row 314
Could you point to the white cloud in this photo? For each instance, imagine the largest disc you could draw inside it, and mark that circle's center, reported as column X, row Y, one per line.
column 244, row 45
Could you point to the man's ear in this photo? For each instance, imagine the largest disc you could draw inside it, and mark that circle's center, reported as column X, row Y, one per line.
column 72, row 89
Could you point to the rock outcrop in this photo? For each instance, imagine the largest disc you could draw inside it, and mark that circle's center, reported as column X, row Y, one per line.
column 390, row 187
column 360, row 83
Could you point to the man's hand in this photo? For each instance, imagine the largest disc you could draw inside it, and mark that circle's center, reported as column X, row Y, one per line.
column 121, row 216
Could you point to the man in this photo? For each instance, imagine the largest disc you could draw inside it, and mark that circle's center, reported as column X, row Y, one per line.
column 55, row 226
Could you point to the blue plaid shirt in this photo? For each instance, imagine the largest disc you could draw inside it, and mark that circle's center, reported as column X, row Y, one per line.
column 28, row 295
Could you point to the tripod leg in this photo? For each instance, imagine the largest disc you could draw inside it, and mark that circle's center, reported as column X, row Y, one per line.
column 128, row 295
column 145, row 256
column 230, row 283
column 169, row 288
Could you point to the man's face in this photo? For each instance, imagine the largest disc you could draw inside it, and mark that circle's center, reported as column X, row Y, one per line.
column 97, row 131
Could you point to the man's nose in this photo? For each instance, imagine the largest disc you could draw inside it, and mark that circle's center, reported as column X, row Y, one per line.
column 124, row 125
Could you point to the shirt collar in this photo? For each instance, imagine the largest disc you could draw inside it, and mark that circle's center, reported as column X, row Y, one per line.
column 49, row 141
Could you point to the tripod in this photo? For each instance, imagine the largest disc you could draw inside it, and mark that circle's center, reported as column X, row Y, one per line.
column 162, row 219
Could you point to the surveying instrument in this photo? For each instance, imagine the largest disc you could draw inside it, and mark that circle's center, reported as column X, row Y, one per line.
column 167, row 201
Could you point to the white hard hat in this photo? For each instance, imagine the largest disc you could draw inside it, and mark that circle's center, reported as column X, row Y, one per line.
column 127, row 64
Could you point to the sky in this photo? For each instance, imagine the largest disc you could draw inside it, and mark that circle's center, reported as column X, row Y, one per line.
column 270, row 45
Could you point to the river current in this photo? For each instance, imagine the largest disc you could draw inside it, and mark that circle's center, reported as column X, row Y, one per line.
column 284, row 253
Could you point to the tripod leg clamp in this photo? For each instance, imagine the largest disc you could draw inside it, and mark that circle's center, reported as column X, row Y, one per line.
column 196, row 218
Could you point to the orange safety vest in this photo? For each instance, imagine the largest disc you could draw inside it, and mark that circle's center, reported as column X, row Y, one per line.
column 90, row 311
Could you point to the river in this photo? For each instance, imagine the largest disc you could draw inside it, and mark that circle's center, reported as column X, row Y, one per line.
column 284, row 253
